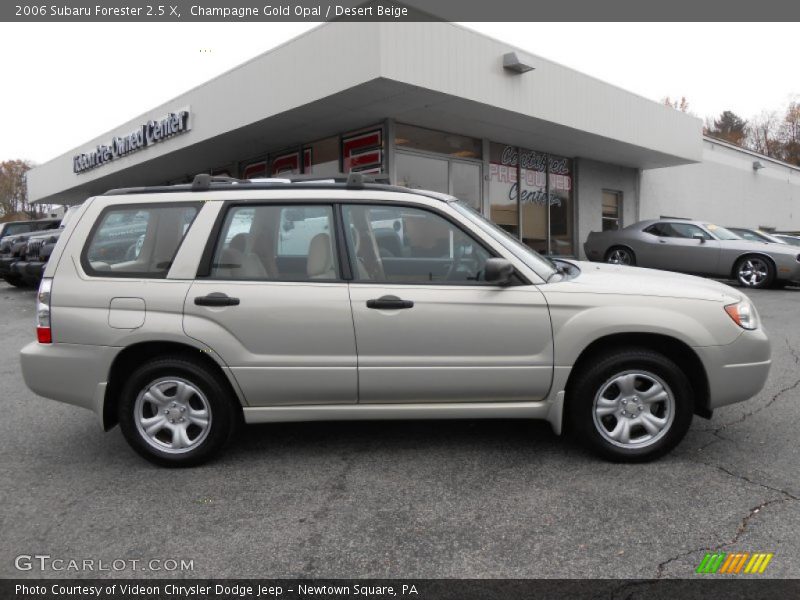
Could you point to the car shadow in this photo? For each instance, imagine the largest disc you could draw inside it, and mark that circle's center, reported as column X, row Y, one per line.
column 397, row 436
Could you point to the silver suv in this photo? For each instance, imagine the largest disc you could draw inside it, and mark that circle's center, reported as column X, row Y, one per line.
column 179, row 312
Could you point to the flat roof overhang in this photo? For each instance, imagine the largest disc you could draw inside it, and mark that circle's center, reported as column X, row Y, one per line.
column 360, row 106
column 437, row 75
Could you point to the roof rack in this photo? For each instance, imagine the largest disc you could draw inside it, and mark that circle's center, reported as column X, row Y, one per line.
column 205, row 182
column 353, row 181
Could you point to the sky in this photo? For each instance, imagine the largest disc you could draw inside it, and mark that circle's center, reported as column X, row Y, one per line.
column 77, row 81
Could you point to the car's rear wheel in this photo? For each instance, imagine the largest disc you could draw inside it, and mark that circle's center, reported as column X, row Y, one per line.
column 619, row 255
column 175, row 412
column 632, row 406
column 756, row 272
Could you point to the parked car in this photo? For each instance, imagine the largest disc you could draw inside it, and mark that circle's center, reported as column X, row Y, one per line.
column 755, row 235
column 696, row 247
column 792, row 240
column 216, row 320
column 17, row 227
column 23, row 256
column 11, row 248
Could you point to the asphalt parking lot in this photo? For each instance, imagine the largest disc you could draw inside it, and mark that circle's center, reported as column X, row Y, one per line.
column 403, row 499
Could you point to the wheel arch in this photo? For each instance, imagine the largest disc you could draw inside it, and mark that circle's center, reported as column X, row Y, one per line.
column 136, row 354
column 674, row 349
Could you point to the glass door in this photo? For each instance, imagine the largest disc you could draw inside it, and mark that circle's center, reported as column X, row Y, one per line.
column 465, row 182
column 460, row 178
column 422, row 172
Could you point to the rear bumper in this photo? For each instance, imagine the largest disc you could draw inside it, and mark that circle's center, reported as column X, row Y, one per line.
column 738, row 371
column 50, row 370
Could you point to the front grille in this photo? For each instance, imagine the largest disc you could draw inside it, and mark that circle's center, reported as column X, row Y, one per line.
column 34, row 246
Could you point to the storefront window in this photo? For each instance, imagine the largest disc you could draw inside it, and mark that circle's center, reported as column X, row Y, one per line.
column 612, row 210
column 465, row 182
column 363, row 151
column 519, row 192
column 421, row 172
column 288, row 163
column 533, row 198
column 561, row 221
column 503, row 201
column 254, row 170
column 323, row 157
column 430, row 140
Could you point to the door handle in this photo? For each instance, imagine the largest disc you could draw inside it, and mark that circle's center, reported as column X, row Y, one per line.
column 662, row 241
column 390, row 303
column 216, row 299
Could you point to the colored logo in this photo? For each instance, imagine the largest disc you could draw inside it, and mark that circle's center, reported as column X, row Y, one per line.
column 734, row 562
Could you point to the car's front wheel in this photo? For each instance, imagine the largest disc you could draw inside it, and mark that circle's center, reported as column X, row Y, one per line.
column 633, row 405
column 175, row 412
column 755, row 272
column 16, row 281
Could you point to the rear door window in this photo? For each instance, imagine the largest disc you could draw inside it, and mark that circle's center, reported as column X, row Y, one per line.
column 276, row 243
column 137, row 241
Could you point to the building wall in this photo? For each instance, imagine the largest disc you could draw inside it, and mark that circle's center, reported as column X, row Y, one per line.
column 592, row 178
column 726, row 190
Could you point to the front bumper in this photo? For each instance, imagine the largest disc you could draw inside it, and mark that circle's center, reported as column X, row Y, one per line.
column 34, row 271
column 737, row 371
column 50, row 370
column 6, row 263
column 18, row 268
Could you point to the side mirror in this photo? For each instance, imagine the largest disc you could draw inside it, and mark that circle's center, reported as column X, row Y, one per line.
column 499, row 271
column 700, row 237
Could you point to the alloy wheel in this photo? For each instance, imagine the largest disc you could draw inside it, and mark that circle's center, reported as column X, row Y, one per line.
column 172, row 415
column 753, row 272
column 634, row 409
column 619, row 256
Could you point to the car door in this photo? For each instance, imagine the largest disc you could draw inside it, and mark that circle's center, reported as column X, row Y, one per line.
column 685, row 247
column 428, row 328
column 270, row 301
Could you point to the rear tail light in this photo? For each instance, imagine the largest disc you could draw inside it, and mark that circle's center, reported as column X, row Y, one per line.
column 43, row 332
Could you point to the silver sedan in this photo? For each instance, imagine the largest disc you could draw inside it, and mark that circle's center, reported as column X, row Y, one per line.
column 696, row 247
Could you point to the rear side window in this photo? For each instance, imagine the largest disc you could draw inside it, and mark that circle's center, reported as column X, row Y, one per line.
column 276, row 243
column 137, row 241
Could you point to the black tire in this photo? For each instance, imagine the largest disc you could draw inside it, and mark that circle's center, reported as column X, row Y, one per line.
column 215, row 395
column 620, row 255
column 594, row 375
column 754, row 282
column 16, row 281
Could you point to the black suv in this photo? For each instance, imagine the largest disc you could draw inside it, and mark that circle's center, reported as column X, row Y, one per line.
column 13, row 246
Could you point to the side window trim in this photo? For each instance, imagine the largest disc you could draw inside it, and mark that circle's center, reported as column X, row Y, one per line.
column 84, row 258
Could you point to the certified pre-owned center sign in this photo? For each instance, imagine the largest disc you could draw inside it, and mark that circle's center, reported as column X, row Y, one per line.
column 142, row 137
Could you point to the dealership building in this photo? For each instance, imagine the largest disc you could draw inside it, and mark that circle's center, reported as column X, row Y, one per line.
column 546, row 152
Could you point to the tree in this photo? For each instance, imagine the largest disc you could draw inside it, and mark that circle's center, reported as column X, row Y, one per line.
column 729, row 127
column 13, row 188
column 790, row 134
column 763, row 134
column 682, row 106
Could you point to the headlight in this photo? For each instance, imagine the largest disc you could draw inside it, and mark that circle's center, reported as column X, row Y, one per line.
column 743, row 314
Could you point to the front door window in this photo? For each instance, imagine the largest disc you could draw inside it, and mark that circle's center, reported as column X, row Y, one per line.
column 397, row 244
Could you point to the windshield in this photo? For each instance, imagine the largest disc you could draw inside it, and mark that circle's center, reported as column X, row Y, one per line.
column 721, row 233
column 543, row 266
